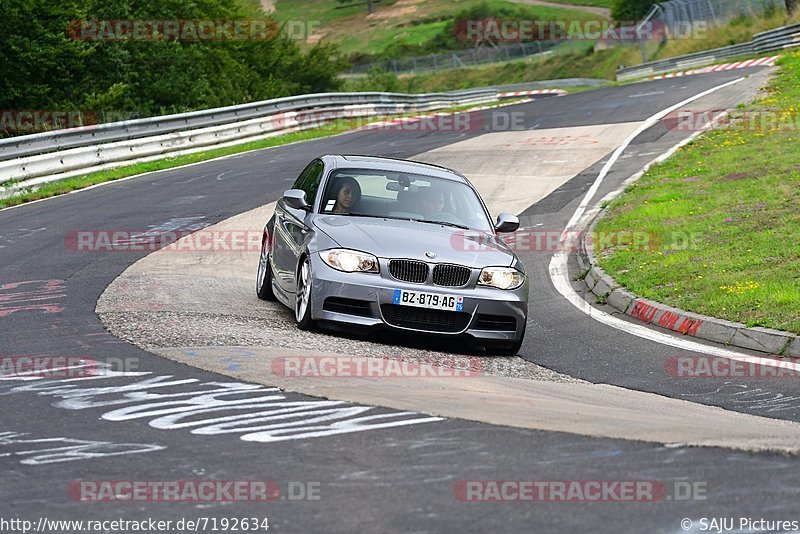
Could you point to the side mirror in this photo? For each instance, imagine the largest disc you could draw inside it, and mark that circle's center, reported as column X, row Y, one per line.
column 296, row 198
column 507, row 223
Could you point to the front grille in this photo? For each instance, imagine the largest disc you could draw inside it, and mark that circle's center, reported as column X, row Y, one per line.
column 409, row 270
column 501, row 323
column 348, row 306
column 451, row 275
column 426, row 320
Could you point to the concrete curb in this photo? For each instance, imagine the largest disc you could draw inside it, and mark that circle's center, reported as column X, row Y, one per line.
column 604, row 287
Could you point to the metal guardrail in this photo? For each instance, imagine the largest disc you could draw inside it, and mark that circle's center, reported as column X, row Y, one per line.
column 777, row 39
column 16, row 147
column 549, row 84
column 62, row 154
column 769, row 41
column 31, row 160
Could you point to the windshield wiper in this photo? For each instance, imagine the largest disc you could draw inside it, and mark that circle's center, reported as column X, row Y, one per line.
column 443, row 223
column 377, row 216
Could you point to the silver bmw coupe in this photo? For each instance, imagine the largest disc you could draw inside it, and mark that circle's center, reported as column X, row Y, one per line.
column 376, row 242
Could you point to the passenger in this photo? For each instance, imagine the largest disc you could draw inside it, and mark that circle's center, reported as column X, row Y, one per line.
column 347, row 194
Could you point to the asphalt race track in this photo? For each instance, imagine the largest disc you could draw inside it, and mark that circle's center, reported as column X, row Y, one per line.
column 403, row 478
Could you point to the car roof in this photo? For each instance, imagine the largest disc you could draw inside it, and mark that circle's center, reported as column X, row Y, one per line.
column 394, row 165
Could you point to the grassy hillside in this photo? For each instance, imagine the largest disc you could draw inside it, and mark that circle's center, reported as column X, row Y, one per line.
column 594, row 3
column 583, row 63
column 409, row 22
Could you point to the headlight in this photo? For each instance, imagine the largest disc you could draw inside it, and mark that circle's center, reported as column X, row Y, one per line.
column 501, row 278
column 350, row 261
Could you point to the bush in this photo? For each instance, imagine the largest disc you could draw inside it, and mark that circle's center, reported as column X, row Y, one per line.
column 378, row 80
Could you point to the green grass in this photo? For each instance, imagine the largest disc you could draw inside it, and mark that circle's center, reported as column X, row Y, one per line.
column 593, row 3
column 379, row 41
column 323, row 11
column 80, row 182
column 724, row 215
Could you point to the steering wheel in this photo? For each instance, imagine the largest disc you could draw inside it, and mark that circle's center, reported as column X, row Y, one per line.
column 447, row 217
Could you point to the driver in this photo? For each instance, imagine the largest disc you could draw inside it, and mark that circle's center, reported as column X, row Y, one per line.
column 433, row 202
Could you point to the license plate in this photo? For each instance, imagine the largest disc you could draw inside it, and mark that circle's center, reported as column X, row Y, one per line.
column 435, row 301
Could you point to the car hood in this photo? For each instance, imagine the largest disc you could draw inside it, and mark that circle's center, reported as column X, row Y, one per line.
column 392, row 238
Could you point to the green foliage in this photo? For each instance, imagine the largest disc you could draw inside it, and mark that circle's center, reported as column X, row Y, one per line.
column 378, row 80
column 630, row 10
column 446, row 38
column 44, row 68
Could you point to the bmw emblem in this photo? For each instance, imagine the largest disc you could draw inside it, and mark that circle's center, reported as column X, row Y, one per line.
column 430, row 255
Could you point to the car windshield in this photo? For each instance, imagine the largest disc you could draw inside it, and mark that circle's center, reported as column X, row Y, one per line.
column 426, row 199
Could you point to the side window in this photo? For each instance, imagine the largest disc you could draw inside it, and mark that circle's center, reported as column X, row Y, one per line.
column 309, row 180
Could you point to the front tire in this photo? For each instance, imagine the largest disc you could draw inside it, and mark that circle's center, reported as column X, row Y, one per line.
column 302, row 309
column 508, row 349
column 264, row 277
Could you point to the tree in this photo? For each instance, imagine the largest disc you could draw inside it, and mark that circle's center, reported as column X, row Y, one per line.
column 631, row 10
column 48, row 65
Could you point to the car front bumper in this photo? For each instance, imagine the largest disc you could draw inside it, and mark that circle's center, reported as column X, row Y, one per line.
column 367, row 300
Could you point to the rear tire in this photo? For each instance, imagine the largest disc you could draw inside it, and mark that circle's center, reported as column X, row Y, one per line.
column 302, row 308
column 264, row 276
